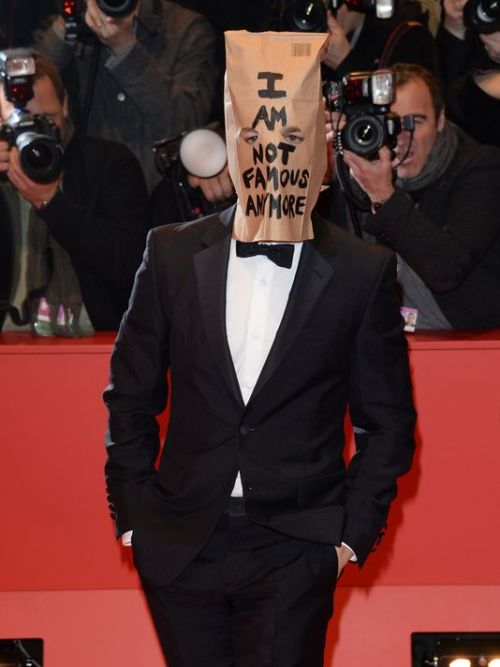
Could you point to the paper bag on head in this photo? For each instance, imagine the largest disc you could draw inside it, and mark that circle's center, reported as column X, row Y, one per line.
column 275, row 132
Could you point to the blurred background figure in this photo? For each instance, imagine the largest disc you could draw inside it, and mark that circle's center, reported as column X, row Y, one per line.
column 137, row 71
column 368, row 36
column 469, row 49
column 72, row 210
column 19, row 18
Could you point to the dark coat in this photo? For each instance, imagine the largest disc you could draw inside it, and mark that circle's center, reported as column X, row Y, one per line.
column 340, row 342
column 466, row 103
column 100, row 219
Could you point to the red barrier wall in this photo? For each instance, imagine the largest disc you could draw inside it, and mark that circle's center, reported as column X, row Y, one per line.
column 64, row 578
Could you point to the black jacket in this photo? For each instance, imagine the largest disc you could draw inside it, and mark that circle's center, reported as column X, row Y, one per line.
column 466, row 103
column 340, row 342
column 99, row 217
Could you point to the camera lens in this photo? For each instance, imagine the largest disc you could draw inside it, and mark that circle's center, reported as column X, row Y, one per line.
column 41, row 157
column 305, row 16
column 483, row 16
column 117, row 8
column 364, row 135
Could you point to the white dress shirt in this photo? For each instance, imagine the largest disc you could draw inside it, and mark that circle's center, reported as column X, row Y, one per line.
column 257, row 292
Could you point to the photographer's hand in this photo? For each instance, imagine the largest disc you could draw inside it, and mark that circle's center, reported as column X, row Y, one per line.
column 454, row 17
column 38, row 194
column 4, row 157
column 117, row 34
column 491, row 45
column 214, row 188
column 337, row 47
column 374, row 177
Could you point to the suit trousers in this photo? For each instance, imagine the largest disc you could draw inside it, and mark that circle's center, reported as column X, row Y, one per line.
column 251, row 598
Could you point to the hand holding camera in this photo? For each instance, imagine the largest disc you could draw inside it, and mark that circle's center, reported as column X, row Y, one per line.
column 110, row 21
column 491, row 43
column 31, row 153
column 117, row 33
column 338, row 47
column 38, row 194
column 373, row 176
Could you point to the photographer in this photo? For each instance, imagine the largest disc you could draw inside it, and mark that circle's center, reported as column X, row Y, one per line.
column 141, row 77
column 470, row 62
column 69, row 246
column 360, row 41
column 440, row 215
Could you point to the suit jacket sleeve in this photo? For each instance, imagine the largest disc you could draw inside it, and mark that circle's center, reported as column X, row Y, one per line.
column 445, row 252
column 102, row 224
column 136, row 393
column 382, row 415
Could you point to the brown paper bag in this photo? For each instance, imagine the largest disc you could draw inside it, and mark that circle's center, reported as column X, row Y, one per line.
column 275, row 132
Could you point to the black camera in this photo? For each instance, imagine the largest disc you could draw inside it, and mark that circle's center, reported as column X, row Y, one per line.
column 73, row 11
column 383, row 9
column 482, row 16
column 200, row 152
column 36, row 137
column 365, row 99
column 310, row 15
column 75, row 28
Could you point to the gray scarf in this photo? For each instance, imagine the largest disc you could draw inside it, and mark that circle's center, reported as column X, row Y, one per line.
column 440, row 157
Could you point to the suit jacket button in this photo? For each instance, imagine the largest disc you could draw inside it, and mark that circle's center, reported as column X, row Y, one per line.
column 245, row 429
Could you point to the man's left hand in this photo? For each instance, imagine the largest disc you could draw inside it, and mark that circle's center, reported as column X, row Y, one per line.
column 37, row 194
column 337, row 46
column 117, row 34
column 214, row 188
column 491, row 45
column 373, row 176
column 344, row 554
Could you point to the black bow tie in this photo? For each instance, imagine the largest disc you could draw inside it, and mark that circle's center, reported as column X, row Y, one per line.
column 279, row 253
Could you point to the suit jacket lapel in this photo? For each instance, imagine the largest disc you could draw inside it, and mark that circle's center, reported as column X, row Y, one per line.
column 211, row 275
column 313, row 275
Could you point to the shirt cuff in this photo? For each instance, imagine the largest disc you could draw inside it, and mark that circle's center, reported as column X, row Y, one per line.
column 353, row 558
column 127, row 538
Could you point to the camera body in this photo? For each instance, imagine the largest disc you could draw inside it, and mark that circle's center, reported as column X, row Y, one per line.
column 482, row 16
column 365, row 99
column 310, row 15
column 75, row 28
column 73, row 11
column 36, row 137
column 383, row 9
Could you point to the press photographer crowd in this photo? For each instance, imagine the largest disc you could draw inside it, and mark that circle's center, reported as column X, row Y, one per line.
column 111, row 123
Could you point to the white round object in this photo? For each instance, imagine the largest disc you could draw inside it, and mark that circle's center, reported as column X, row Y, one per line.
column 203, row 153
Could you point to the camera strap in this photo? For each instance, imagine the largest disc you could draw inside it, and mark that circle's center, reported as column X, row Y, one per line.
column 394, row 39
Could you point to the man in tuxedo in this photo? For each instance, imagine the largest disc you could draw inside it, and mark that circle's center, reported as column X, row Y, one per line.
column 241, row 532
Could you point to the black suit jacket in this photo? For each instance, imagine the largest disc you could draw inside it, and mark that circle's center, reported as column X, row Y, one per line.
column 340, row 342
column 100, row 218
